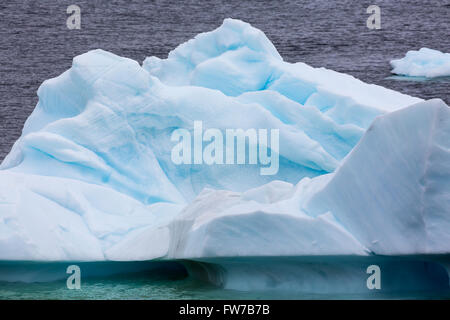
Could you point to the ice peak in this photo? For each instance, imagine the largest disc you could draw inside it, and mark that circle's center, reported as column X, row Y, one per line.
column 232, row 35
column 234, row 50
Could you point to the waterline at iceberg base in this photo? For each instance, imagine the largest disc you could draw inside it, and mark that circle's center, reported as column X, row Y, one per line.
column 363, row 179
column 321, row 277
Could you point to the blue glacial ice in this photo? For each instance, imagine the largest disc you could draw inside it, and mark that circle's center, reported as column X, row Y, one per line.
column 363, row 169
column 428, row 63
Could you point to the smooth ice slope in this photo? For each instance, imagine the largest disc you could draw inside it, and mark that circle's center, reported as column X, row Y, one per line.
column 393, row 191
column 91, row 178
column 425, row 62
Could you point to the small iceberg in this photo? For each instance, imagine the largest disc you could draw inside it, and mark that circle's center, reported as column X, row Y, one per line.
column 425, row 63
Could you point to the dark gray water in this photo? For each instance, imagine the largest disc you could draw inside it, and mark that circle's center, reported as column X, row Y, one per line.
column 35, row 43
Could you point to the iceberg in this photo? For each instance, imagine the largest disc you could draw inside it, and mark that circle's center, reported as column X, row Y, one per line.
column 425, row 62
column 363, row 170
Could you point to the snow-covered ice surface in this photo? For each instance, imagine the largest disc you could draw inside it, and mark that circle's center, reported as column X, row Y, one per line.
column 363, row 169
column 425, row 62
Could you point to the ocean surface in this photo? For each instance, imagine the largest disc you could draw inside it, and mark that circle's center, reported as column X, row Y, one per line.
column 143, row 286
column 35, row 45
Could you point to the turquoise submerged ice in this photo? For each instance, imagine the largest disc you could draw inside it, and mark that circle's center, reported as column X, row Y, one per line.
column 363, row 169
column 425, row 62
